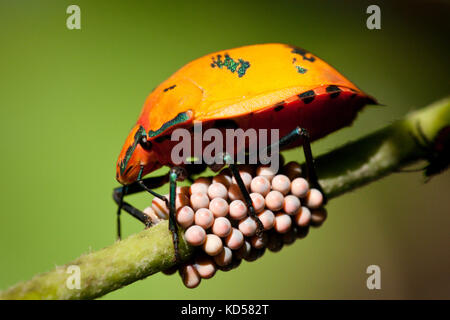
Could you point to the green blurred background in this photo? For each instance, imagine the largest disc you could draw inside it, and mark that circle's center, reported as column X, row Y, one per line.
column 69, row 97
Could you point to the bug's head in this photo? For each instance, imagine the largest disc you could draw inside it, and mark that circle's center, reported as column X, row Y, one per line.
column 136, row 158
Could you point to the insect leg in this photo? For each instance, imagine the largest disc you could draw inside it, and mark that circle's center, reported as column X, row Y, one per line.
column 248, row 200
column 175, row 174
column 120, row 192
column 301, row 133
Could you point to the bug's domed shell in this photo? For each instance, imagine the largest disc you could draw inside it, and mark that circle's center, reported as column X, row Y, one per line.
column 212, row 90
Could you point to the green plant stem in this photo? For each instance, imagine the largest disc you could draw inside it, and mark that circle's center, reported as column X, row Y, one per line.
column 150, row 251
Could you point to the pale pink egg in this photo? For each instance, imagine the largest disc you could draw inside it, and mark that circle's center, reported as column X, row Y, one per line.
column 224, row 258
column 221, row 227
column 283, row 222
column 204, row 218
column 152, row 216
column 195, row 235
column 238, row 210
column 267, row 219
column 219, row 207
column 260, row 185
column 212, row 245
column 291, row 204
column 235, row 239
column 205, row 266
column 185, row 216
column 281, row 183
column 217, row 190
column 303, row 217
column 299, row 187
column 274, row 200
column 200, row 185
column 258, row 202
column 190, row 276
column 160, row 208
column 314, row 199
column 199, row 200
column 247, row 226
column 246, row 179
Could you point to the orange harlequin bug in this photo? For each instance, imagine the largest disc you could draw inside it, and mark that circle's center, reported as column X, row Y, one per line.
column 271, row 86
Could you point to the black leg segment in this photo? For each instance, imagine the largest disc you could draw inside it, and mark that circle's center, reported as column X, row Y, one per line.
column 173, row 227
column 301, row 133
column 142, row 185
column 248, row 200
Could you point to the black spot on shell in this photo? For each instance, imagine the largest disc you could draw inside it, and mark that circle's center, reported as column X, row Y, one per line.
column 334, row 95
column 303, row 53
column 169, row 88
column 334, row 91
column 307, row 96
column 279, row 106
column 226, row 124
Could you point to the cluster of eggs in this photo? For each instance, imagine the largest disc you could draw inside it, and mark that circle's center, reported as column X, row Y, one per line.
column 216, row 219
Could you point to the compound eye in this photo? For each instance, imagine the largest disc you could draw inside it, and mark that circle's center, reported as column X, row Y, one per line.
column 145, row 144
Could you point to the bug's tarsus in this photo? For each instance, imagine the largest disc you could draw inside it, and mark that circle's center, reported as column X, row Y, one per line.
column 248, row 200
column 119, row 210
column 142, row 185
column 118, row 198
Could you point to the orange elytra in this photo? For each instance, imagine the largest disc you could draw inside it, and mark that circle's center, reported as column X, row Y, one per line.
column 258, row 86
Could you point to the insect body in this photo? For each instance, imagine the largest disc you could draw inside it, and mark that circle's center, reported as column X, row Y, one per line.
column 270, row 86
